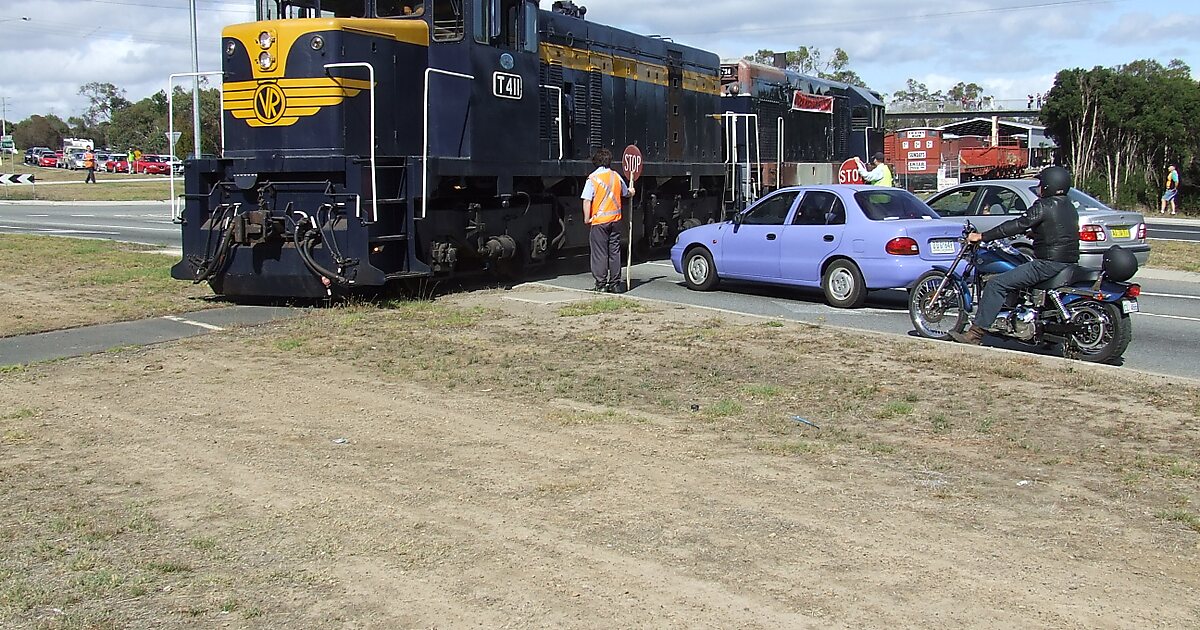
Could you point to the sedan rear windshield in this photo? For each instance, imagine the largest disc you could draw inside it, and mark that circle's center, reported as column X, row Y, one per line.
column 892, row 205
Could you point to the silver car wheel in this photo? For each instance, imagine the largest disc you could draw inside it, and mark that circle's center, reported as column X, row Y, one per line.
column 698, row 270
column 841, row 283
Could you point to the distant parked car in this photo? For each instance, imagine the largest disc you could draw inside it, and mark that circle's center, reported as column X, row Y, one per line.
column 48, row 159
column 844, row 239
column 32, row 154
column 989, row 203
column 152, row 165
column 176, row 164
column 74, row 160
column 116, row 163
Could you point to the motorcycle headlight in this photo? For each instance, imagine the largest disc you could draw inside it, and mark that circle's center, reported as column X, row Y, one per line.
column 265, row 39
column 266, row 61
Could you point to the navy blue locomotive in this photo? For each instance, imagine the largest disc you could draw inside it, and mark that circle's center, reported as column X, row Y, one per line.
column 372, row 141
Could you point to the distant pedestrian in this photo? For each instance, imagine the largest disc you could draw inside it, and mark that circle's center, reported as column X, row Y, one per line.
column 89, row 162
column 1172, row 187
column 602, row 212
column 1029, row 105
column 1039, row 100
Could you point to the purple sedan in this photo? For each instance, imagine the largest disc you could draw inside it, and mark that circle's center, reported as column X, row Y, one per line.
column 845, row 239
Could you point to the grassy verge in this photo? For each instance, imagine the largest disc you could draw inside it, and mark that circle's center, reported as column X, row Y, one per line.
column 53, row 283
column 1175, row 255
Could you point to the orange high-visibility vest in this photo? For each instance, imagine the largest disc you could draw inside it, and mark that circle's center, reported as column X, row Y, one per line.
column 89, row 160
column 606, row 200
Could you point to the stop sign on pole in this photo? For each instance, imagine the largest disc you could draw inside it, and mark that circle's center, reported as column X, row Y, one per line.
column 631, row 163
column 848, row 173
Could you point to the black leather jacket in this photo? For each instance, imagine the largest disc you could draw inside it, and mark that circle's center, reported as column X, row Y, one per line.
column 1055, row 226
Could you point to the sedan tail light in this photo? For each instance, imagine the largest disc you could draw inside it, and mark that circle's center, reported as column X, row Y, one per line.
column 1141, row 231
column 1092, row 233
column 902, row 246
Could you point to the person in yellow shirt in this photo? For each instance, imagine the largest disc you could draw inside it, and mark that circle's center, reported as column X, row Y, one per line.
column 601, row 197
column 879, row 175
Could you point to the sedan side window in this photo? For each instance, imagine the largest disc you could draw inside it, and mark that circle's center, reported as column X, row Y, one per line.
column 814, row 208
column 1011, row 202
column 771, row 211
column 956, row 203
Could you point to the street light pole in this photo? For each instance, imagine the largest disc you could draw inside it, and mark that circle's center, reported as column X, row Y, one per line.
column 195, row 87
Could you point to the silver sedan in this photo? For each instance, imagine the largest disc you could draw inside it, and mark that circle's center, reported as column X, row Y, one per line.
column 989, row 203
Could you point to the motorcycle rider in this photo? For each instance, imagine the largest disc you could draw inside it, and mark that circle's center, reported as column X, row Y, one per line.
column 1054, row 225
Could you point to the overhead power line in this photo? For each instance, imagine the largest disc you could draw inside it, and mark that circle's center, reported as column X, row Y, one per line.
column 900, row 18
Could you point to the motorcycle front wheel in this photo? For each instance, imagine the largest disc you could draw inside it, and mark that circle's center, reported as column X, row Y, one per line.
column 1103, row 332
column 936, row 319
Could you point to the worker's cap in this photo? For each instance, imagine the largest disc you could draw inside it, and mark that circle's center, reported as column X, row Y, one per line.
column 879, row 157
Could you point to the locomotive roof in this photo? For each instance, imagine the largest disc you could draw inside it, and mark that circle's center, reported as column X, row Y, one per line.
column 579, row 32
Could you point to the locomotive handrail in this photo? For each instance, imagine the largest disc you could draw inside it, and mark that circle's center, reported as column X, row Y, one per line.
column 371, row 77
column 425, row 148
column 779, row 153
column 558, row 118
column 175, row 213
column 731, row 136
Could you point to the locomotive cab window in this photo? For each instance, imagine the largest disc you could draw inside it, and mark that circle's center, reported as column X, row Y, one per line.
column 510, row 24
column 399, row 8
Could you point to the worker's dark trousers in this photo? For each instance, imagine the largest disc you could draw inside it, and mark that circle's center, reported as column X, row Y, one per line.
column 605, row 241
column 91, row 176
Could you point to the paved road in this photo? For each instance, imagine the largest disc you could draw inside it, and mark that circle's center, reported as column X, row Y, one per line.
column 1166, row 334
column 135, row 222
column 1158, row 227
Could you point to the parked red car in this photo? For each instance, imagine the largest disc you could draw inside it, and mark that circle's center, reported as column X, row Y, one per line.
column 153, row 165
column 117, row 164
column 49, row 158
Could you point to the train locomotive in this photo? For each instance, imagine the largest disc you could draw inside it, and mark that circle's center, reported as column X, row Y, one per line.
column 372, row 141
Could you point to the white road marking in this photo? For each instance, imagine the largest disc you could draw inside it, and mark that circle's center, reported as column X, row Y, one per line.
column 1191, row 231
column 1172, row 240
column 38, row 216
column 1189, row 319
column 109, row 227
column 83, row 216
column 1172, row 295
column 192, row 323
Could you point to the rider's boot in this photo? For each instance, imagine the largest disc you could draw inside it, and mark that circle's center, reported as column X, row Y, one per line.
column 972, row 336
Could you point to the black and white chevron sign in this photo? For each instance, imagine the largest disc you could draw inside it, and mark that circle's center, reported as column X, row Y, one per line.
column 19, row 178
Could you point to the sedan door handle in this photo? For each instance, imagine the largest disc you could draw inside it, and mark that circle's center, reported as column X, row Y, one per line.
column 770, row 237
column 828, row 238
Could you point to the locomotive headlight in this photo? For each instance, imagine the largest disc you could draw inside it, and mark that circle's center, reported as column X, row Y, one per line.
column 265, row 60
column 317, row 42
column 230, row 48
column 265, row 39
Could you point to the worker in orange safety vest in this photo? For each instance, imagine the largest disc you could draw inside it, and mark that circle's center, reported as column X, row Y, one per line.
column 602, row 212
column 89, row 162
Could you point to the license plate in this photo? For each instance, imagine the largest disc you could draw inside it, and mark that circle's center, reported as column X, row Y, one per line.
column 1118, row 233
column 941, row 247
column 1130, row 306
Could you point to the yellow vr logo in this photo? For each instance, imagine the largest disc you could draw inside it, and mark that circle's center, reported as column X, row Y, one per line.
column 269, row 103
column 282, row 102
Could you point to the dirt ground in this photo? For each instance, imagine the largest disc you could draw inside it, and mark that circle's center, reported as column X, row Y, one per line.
column 509, row 459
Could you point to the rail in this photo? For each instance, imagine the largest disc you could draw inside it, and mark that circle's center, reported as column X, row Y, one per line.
column 425, row 147
column 175, row 212
column 371, row 78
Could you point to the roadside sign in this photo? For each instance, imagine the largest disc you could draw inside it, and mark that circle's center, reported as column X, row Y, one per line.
column 848, row 173
column 18, row 178
column 631, row 163
column 173, row 137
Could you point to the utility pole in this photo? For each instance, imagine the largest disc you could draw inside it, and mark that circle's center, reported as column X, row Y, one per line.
column 3, row 115
column 195, row 86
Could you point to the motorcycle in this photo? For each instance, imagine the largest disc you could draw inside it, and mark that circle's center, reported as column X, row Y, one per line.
column 1085, row 311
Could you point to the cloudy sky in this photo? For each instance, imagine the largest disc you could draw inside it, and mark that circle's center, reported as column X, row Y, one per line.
column 1011, row 47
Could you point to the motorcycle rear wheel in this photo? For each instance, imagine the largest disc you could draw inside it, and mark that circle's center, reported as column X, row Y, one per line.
column 936, row 320
column 1105, row 334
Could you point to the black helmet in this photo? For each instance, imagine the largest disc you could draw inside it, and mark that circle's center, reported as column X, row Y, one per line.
column 1055, row 180
column 1119, row 264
